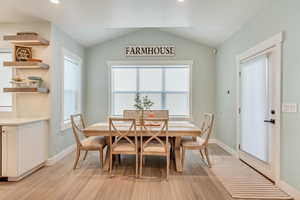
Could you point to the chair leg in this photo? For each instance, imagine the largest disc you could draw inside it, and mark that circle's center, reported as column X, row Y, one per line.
column 141, row 164
column 172, row 148
column 183, row 156
column 110, row 163
column 168, row 164
column 76, row 158
column 101, row 157
column 201, row 153
column 86, row 152
column 136, row 164
column 119, row 158
column 207, row 157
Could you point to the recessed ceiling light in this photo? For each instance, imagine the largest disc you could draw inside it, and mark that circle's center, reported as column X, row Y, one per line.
column 180, row 0
column 55, row 1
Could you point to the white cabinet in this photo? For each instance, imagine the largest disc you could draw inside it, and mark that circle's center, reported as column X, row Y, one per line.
column 24, row 148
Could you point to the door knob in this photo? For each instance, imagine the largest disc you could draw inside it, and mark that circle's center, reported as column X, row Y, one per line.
column 272, row 121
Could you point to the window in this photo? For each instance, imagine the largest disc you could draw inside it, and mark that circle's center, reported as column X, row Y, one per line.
column 71, row 88
column 168, row 86
column 5, row 78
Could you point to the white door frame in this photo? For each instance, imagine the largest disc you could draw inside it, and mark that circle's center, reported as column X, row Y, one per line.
column 273, row 44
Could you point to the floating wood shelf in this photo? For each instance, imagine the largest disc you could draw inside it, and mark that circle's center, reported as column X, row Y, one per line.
column 35, row 90
column 26, row 65
column 31, row 40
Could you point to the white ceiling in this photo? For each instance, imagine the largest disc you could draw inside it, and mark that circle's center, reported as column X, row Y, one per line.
column 95, row 21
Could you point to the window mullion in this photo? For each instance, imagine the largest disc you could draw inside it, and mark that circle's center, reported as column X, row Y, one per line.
column 137, row 80
column 163, row 94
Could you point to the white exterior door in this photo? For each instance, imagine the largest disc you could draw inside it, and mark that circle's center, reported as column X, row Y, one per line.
column 259, row 110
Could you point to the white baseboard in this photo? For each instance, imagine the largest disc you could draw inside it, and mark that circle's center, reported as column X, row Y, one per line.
column 224, row 146
column 212, row 141
column 289, row 189
column 61, row 155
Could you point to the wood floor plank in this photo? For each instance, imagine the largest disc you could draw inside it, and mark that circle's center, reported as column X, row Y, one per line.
column 61, row 182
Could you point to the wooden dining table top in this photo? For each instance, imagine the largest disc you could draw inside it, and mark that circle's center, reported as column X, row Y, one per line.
column 174, row 129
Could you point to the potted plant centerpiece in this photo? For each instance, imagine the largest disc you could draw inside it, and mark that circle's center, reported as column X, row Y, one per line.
column 142, row 104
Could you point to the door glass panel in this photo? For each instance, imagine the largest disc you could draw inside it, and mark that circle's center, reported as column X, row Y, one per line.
column 254, row 108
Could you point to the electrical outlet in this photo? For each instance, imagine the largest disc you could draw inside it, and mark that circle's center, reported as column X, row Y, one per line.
column 289, row 108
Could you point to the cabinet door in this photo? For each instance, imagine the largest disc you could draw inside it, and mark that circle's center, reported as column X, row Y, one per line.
column 9, row 152
column 32, row 145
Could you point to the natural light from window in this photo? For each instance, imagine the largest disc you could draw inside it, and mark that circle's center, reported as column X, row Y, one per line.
column 166, row 85
column 72, row 87
column 5, row 78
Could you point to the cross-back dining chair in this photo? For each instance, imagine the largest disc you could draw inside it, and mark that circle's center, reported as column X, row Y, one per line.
column 200, row 143
column 121, row 140
column 93, row 143
column 156, row 141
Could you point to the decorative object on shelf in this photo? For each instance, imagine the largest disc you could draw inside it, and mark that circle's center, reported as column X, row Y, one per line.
column 32, row 82
column 26, row 39
column 35, row 81
column 18, row 82
column 22, row 53
column 28, row 33
column 34, row 60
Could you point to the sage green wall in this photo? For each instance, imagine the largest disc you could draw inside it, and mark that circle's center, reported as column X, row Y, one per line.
column 280, row 15
column 203, row 78
column 59, row 140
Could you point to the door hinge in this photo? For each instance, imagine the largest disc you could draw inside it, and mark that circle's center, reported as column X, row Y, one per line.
column 239, row 110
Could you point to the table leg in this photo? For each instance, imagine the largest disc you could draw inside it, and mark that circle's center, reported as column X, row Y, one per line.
column 178, row 155
column 106, row 161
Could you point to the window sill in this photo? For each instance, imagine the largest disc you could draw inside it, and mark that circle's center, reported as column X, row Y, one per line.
column 6, row 109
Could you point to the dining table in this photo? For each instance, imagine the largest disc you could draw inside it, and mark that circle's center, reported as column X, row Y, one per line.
column 176, row 130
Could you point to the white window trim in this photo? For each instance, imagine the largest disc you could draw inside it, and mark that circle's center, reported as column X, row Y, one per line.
column 153, row 62
column 67, row 124
column 13, row 107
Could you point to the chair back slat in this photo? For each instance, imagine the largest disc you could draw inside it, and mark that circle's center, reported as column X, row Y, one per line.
column 78, row 125
column 156, row 128
column 120, row 128
column 136, row 114
column 207, row 125
column 131, row 114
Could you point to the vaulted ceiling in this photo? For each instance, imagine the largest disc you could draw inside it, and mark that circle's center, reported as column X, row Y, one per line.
column 94, row 21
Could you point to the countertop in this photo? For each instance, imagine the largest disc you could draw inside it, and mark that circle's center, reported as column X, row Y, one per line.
column 20, row 121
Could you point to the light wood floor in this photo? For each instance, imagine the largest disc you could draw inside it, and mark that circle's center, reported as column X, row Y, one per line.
column 89, row 182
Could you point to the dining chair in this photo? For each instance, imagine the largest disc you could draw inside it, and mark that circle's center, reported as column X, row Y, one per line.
column 93, row 143
column 200, row 143
column 156, row 141
column 164, row 114
column 120, row 141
